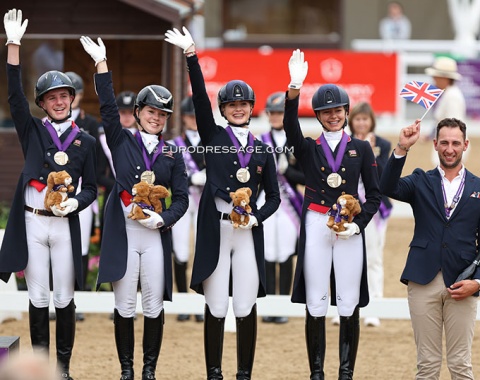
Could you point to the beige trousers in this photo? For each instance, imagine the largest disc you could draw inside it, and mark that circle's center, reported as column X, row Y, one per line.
column 432, row 310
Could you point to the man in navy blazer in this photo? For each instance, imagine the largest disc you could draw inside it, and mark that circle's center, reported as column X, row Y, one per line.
column 446, row 208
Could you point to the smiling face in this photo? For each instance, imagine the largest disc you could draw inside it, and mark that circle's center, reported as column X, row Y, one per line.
column 360, row 125
column 450, row 145
column 152, row 120
column 56, row 103
column 332, row 119
column 237, row 112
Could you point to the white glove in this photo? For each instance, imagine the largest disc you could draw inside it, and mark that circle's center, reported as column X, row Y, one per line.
column 175, row 37
column 97, row 52
column 14, row 29
column 282, row 163
column 298, row 69
column 69, row 205
column 155, row 221
column 252, row 222
column 199, row 178
column 350, row 230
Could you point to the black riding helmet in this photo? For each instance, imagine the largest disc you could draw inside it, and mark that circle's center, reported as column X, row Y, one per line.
column 186, row 107
column 233, row 91
column 126, row 100
column 77, row 81
column 154, row 96
column 276, row 102
column 330, row 96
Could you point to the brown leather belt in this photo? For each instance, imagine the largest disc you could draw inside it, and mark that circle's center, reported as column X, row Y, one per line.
column 38, row 211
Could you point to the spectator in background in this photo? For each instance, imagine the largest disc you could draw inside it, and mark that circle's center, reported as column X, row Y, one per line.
column 195, row 163
column 283, row 227
column 451, row 103
column 28, row 367
column 395, row 26
column 362, row 123
column 90, row 125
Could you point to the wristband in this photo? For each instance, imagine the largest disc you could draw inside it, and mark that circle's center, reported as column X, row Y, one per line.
column 405, row 149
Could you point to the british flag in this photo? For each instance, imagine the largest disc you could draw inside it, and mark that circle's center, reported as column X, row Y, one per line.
column 421, row 93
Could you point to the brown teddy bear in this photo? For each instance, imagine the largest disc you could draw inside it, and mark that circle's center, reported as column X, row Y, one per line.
column 146, row 196
column 58, row 185
column 342, row 212
column 158, row 192
column 240, row 214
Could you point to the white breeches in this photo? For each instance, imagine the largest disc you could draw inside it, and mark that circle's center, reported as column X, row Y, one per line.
column 238, row 252
column 49, row 242
column 375, row 242
column 280, row 234
column 322, row 250
column 184, row 231
column 145, row 264
column 86, row 219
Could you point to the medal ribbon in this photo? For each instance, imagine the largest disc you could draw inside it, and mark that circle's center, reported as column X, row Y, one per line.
column 456, row 197
column 334, row 163
column 243, row 157
column 158, row 150
column 190, row 162
column 293, row 195
column 54, row 135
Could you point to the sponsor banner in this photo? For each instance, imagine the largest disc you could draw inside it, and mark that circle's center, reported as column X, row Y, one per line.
column 370, row 77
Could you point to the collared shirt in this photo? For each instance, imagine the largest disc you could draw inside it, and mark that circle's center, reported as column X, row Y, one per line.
column 452, row 187
column 333, row 138
column 149, row 141
column 193, row 137
column 241, row 133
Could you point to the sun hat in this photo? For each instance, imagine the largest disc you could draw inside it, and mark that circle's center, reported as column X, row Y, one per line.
column 444, row 67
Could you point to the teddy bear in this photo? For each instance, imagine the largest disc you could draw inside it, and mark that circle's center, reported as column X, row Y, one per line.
column 58, row 185
column 342, row 212
column 146, row 196
column 240, row 215
column 158, row 192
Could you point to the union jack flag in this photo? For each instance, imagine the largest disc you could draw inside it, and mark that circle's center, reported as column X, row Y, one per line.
column 421, row 93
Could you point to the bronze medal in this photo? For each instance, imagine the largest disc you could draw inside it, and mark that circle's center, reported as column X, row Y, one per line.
column 243, row 175
column 148, row 176
column 334, row 180
column 61, row 158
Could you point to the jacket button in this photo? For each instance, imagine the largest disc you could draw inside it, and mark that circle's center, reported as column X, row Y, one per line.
column 322, row 202
column 46, row 165
column 323, row 191
column 231, row 175
column 41, row 178
column 49, row 154
column 138, row 167
column 234, row 162
column 228, row 189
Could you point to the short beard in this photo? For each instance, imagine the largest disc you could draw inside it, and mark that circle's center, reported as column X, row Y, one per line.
column 450, row 166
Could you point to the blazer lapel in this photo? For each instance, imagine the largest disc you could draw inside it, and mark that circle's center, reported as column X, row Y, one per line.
column 436, row 183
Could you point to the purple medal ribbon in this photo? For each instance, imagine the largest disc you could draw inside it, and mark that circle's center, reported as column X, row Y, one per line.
column 456, row 197
column 54, row 135
column 149, row 161
column 293, row 195
column 190, row 162
column 334, row 163
column 243, row 157
column 241, row 211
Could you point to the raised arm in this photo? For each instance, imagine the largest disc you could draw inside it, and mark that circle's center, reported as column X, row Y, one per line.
column 203, row 107
column 14, row 29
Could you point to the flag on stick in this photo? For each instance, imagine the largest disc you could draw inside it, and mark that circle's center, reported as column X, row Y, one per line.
column 421, row 93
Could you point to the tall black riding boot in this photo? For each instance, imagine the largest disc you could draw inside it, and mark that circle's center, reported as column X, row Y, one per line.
column 125, row 342
column 286, row 275
column 285, row 283
column 152, row 342
column 246, row 342
column 180, row 270
column 65, row 338
column 348, row 344
column 213, row 332
column 271, row 285
column 315, row 338
column 39, row 328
